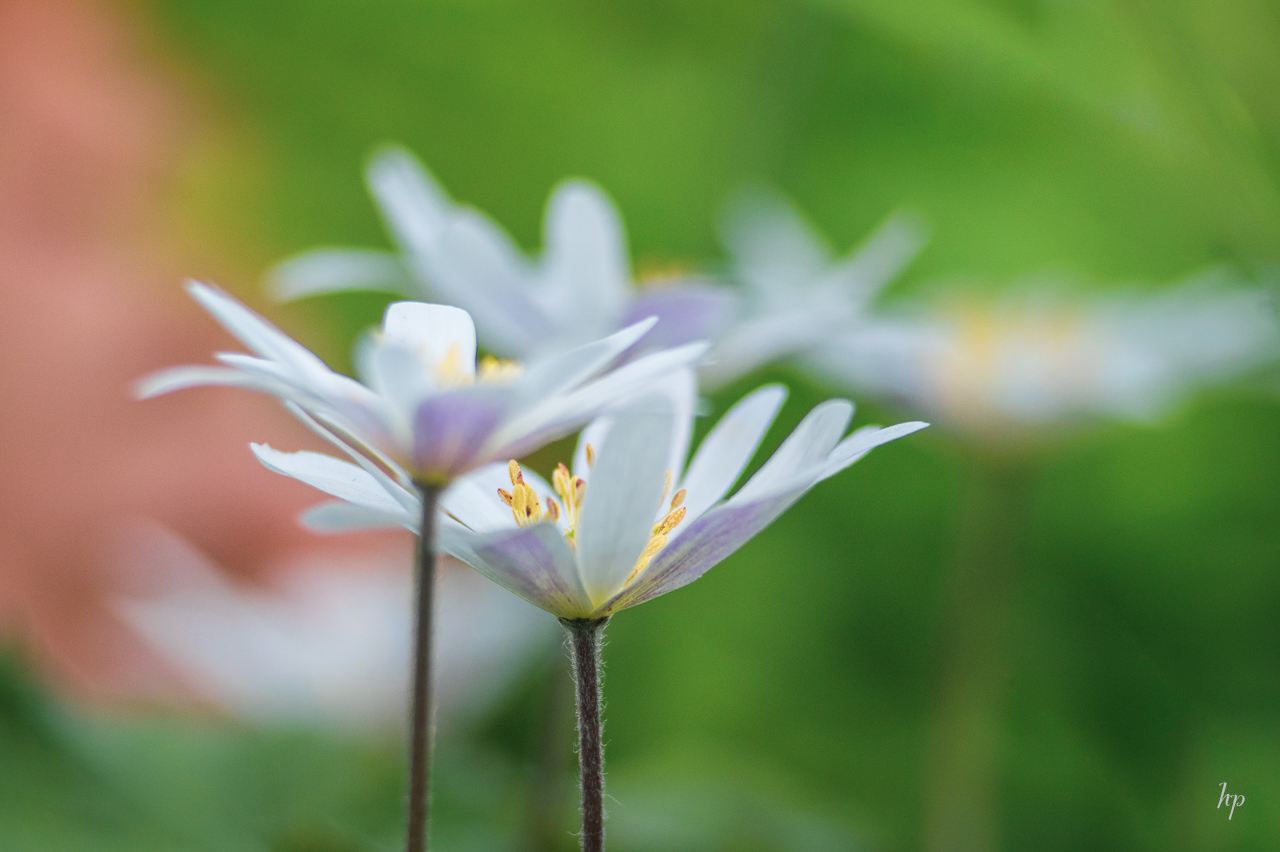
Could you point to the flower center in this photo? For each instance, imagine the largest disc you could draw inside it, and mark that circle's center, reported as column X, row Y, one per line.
column 449, row 373
column 526, row 507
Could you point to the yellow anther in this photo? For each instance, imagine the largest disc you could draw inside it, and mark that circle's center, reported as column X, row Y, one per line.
column 666, row 488
column 670, row 522
column 524, row 500
column 646, row 556
column 505, row 495
column 678, row 499
column 553, row 509
column 498, row 370
column 591, row 455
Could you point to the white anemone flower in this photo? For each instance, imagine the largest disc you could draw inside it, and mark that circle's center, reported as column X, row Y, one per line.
column 794, row 295
column 425, row 412
column 629, row 522
column 327, row 642
column 579, row 290
column 1041, row 357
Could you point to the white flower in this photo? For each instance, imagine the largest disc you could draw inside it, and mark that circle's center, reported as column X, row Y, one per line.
column 628, row 523
column 1041, row 356
column 580, row 289
column 329, row 642
column 425, row 412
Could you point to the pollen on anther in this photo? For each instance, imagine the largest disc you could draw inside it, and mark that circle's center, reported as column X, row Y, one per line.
column 505, row 495
column 678, row 499
column 517, row 476
column 553, row 509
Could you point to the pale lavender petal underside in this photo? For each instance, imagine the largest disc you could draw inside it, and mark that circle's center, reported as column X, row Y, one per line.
column 685, row 314
column 707, row 541
column 533, row 562
column 450, row 429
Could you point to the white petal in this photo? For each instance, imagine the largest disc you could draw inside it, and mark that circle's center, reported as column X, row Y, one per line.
column 881, row 257
column 397, row 374
column 478, row 268
column 862, row 442
column 595, row 434
column 567, row 370
column 585, row 260
column 414, row 206
column 622, row 499
column 332, row 476
column 558, row 416
column 339, row 516
column 181, row 378
column 711, row 538
column 774, row 248
column 255, row 332
column 435, row 333
column 394, row 483
column 336, row 270
column 728, row 448
column 809, row 444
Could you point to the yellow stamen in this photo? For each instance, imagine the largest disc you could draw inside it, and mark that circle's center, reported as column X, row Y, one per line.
column 678, row 499
column 498, row 370
column 591, row 455
column 553, row 509
column 524, row 502
column 670, row 522
column 448, row 371
column 505, row 495
column 646, row 556
column 666, row 488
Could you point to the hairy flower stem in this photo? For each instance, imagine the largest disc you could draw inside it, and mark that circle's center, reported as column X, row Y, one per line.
column 584, row 641
column 423, row 710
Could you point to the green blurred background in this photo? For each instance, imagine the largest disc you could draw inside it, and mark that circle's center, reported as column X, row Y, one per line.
column 787, row 701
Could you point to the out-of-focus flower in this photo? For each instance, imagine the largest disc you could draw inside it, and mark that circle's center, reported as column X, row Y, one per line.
column 425, row 412
column 580, row 289
column 797, row 295
column 1041, row 356
column 610, row 538
column 328, row 641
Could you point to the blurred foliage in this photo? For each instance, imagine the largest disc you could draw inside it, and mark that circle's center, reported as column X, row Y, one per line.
column 783, row 702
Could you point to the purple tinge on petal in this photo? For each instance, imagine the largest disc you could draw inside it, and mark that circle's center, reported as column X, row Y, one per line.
column 707, row 541
column 534, row 562
column 450, row 428
column 685, row 314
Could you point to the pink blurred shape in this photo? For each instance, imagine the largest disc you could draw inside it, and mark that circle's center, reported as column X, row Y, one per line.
column 89, row 135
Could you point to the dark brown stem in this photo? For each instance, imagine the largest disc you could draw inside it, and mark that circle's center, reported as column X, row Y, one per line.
column 584, row 641
column 422, row 712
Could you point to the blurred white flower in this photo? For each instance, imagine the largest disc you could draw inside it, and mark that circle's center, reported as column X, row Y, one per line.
column 1042, row 355
column 578, row 291
column 328, row 642
column 581, row 288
